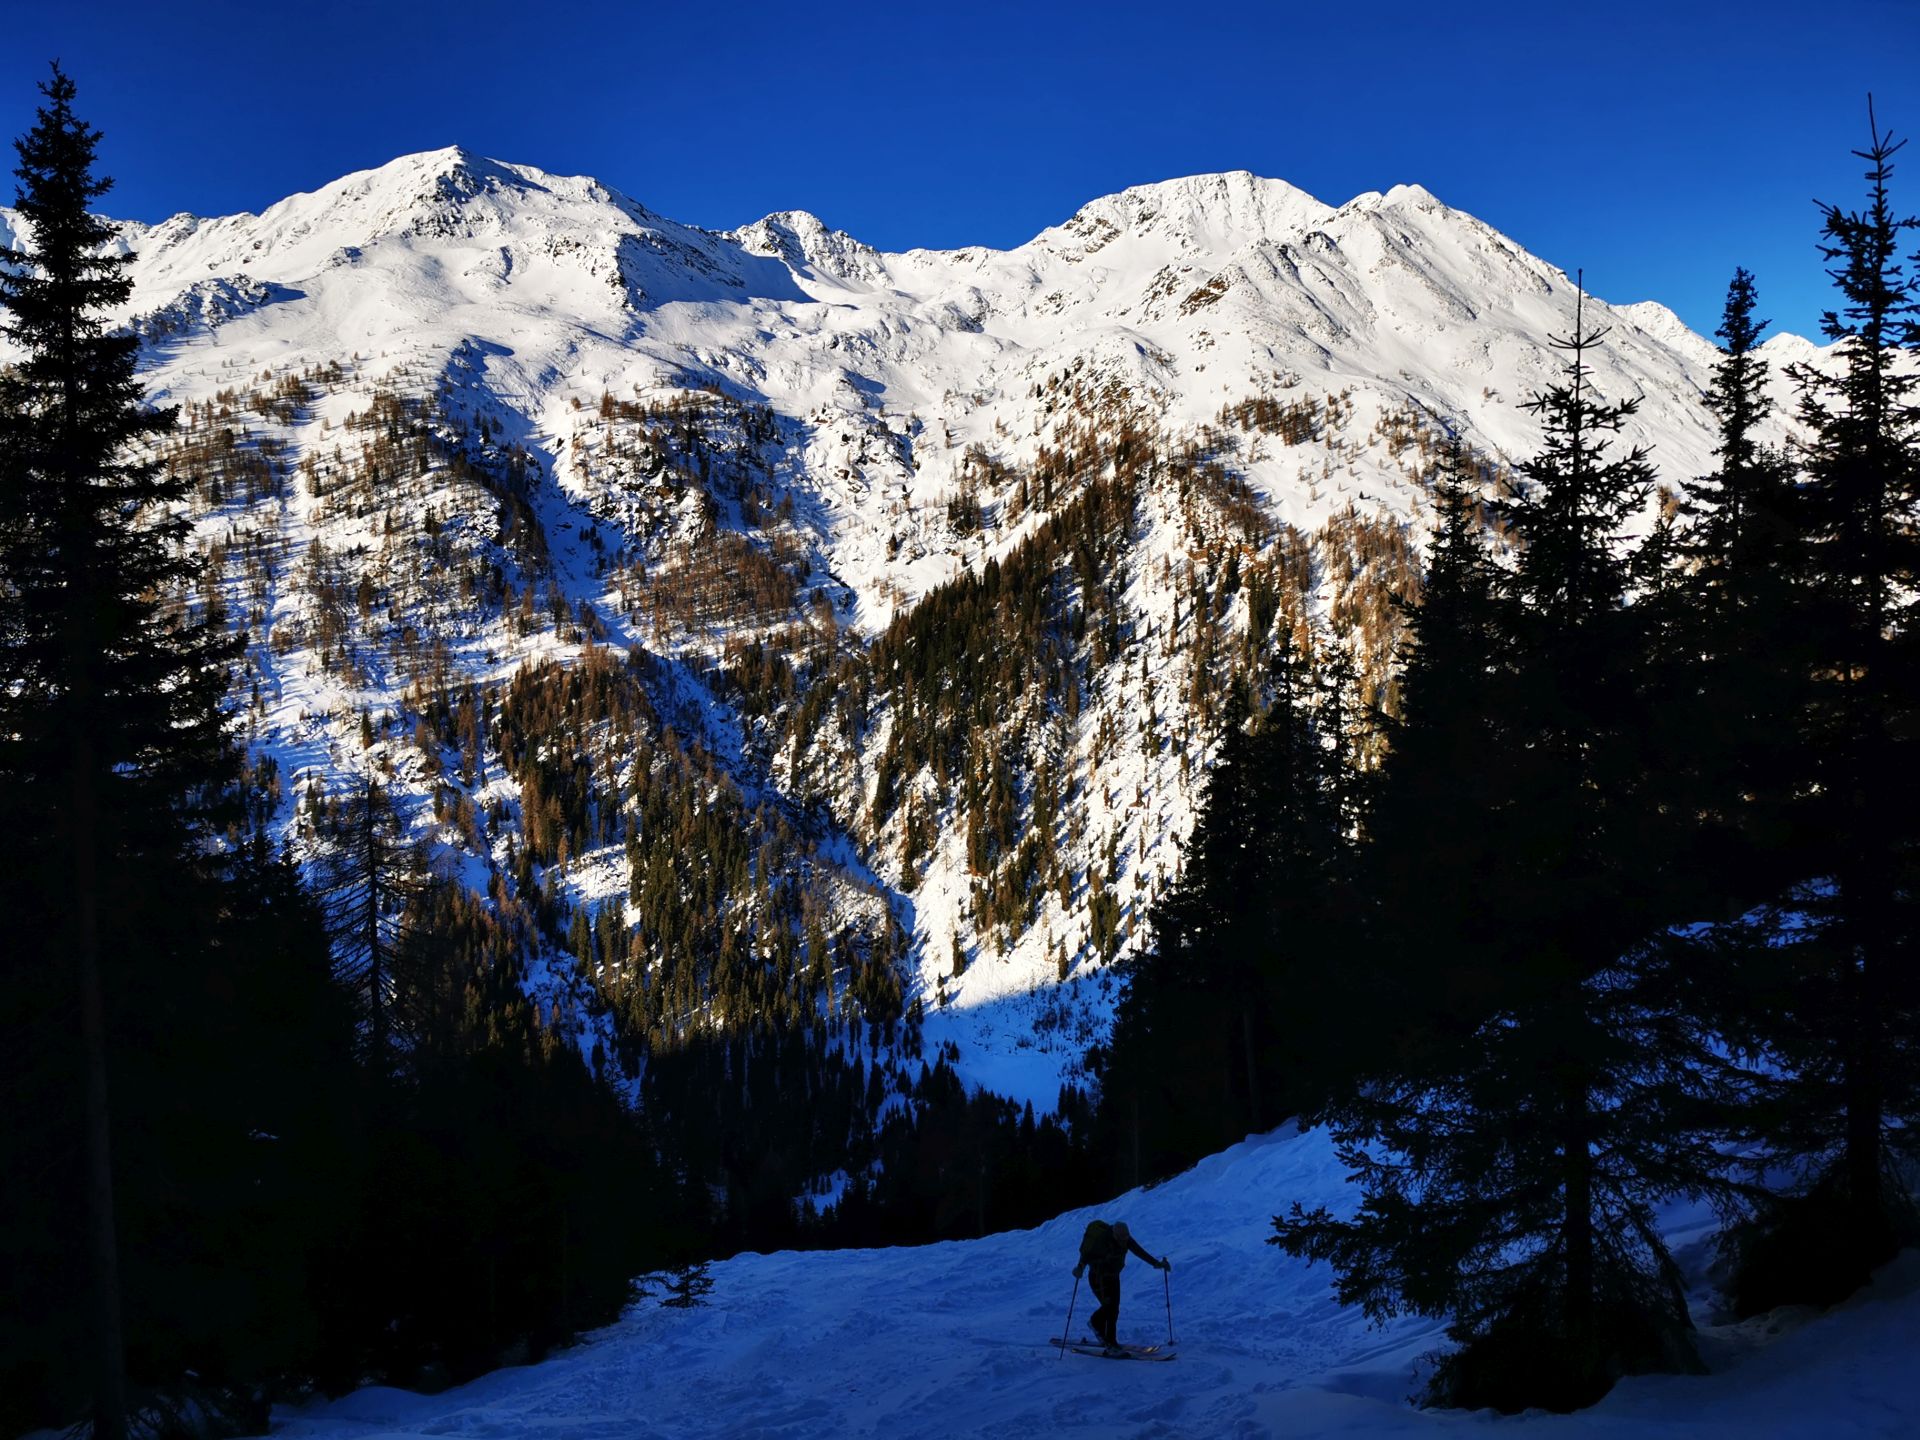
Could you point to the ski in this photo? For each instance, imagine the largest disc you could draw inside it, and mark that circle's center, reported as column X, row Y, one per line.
column 1127, row 1352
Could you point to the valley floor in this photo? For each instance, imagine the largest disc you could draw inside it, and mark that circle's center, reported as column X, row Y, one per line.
column 951, row 1340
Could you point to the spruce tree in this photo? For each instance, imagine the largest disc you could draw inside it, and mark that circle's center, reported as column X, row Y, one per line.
column 1431, row 828
column 1509, row 1166
column 165, row 1005
column 1736, row 650
column 110, row 723
column 1167, row 1055
column 1230, row 1016
column 1848, row 1025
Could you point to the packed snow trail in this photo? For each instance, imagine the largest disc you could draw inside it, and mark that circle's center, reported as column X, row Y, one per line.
column 953, row 1340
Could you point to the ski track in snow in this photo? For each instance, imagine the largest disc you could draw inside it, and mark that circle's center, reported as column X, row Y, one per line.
column 951, row 1340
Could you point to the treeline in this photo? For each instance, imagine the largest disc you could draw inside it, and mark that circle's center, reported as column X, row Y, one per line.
column 1625, row 915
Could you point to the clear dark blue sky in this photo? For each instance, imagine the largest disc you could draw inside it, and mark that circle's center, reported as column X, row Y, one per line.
column 1656, row 144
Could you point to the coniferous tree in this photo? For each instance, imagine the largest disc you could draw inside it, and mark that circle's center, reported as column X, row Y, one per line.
column 1431, row 830
column 688, row 1287
column 111, row 726
column 1848, row 1014
column 1736, row 646
column 369, row 874
column 1194, row 984
column 1230, row 1019
column 139, row 928
column 1509, row 1169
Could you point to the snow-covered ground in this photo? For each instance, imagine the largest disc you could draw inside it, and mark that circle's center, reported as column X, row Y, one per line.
column 951, row 1340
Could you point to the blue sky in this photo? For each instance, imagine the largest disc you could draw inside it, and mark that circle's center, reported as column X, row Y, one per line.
column 1655, row 144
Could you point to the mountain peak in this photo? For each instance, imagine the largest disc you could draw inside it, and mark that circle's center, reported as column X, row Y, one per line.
column 1413, row 197
column 451, row 175
column 1658, row 321
column 804, row 241
column 1397, row 197
column 1221, row 212
column 1210, row 204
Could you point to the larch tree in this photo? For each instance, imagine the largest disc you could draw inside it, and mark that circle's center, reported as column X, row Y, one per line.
column 369, row 875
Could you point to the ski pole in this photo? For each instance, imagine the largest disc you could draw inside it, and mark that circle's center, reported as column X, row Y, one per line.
column 1067, row 1333
column 1166, row 1275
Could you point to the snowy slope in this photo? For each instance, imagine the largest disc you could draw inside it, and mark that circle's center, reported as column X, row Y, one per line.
column 949, row 1340
column 520, row 303
column 1190, row 293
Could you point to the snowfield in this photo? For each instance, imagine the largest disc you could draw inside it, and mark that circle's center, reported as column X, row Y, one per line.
column 951, row 1340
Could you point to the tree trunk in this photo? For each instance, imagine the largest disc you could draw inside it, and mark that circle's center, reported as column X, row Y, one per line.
column 1577, row 1224
column 376, row 979
column 1869, row 931
column 1136, row 1140
column 566, row 1272
column 1861, row 1094
column 1253, row 1074
column 110, row 1394
column 1863, row 1156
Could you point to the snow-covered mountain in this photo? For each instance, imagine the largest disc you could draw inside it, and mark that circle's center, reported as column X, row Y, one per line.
column 1195, row 291
column 455, row 416
column 1192, row 293
column 951, row 1340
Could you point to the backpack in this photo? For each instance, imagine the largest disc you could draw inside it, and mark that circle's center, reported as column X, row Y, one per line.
column 1097, row 1245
